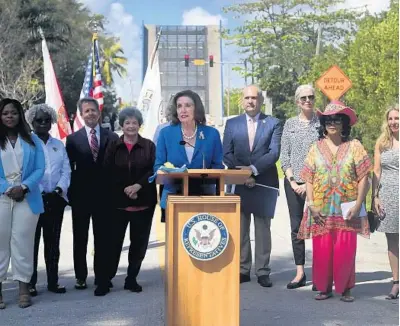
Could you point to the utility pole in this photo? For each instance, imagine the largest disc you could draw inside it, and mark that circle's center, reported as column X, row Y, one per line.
column 318, row 49
column 317, row 53
column 229, row 91
column 245, row 72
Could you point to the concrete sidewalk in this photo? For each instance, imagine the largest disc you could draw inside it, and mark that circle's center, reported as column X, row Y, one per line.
column 259, row 306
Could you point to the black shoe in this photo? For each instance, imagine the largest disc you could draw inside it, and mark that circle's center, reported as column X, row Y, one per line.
column 264, row 281
column 57, row 289
column 110, row 285
column 80, row 285
column 32, row 291
column 133, row 287
column 299, row 284
column 244, row 278
column 101, row 291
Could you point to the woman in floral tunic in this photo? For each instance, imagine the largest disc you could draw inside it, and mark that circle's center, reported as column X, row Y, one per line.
column 336, row 172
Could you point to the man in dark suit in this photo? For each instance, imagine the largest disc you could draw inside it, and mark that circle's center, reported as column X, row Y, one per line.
column 86, row 148
column 252, row 142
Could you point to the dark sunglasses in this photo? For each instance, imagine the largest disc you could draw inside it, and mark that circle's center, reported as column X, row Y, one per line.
column 333, row 121
column 309, row 97
column 43, row 121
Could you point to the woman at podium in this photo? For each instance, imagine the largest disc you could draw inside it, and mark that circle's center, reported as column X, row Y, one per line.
column 188, row 141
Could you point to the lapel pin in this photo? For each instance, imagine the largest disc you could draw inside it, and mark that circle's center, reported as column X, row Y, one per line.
column 201, row 135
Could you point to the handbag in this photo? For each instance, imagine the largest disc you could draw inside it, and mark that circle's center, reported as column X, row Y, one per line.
column 373, row 218
column 373, row 221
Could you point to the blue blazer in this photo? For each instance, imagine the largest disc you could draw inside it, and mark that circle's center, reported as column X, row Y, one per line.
column 33, row 167
column 208, row 143
column 263, row 156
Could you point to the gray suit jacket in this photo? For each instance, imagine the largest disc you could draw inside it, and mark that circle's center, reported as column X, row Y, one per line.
column 265, row 154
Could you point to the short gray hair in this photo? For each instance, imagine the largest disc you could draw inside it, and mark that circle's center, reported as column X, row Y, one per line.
column 42, row 107
column 87, row 100
column 302, row 88
column 130, row 112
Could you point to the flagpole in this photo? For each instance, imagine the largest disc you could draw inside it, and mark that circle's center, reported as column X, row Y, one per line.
column 92, row 84
column 153, row 53
column 150, row 97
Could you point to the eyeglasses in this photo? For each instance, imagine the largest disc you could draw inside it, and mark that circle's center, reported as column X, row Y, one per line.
column 305, row 98
column 333, row 121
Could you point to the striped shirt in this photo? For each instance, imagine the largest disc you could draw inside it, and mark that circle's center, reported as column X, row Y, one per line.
column 297, row 137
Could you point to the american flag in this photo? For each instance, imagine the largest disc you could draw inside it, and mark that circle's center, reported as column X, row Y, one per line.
column 92, row 84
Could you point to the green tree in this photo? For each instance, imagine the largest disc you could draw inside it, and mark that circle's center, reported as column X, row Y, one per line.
column 112, row 58
column 280, row 40
column 235, row 102
column 373, row 67
column 110, row 102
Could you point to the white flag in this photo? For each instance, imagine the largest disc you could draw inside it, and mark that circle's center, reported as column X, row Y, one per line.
column 62, row 128
column 150, row 100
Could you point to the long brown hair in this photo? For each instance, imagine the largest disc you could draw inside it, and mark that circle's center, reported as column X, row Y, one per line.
column 22, row 127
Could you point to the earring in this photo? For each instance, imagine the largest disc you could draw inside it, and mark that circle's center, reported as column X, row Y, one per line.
column 325, row 132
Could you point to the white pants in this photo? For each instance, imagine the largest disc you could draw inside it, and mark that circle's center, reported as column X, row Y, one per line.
column 17, row 238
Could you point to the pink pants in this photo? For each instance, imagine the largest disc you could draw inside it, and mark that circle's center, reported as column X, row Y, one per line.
column 334, row 260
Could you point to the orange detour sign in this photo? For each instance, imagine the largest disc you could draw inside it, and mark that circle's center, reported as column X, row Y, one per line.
column 334, row 83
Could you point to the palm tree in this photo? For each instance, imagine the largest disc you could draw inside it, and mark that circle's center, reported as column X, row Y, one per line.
column 113, row 60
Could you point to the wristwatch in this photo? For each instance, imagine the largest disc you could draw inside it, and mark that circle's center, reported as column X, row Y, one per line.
column 25, row 189
column 292, row 179
column 310, row 203
column 58, row 191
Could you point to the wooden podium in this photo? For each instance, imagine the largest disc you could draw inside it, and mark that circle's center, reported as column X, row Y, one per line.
column 202, row 292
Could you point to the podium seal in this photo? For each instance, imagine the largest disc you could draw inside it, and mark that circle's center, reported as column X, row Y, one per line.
column 204, row 237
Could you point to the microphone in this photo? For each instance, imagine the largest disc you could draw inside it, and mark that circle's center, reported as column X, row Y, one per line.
column 183, row 143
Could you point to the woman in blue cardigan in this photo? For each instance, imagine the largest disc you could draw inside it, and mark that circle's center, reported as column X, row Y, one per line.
column 22, row 167
column 188, row 141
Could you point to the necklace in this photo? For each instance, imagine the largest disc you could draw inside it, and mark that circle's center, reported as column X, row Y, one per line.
column 12, row 141
column 189, row 137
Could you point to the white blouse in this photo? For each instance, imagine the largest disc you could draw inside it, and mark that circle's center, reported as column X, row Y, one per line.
column 12, row 159
column 189, row 153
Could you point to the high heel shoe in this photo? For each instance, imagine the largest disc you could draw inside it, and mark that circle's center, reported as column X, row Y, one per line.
column 299, row 284
column 392, row 296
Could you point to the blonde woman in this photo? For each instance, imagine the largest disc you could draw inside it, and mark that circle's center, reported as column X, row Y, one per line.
column 304, row 126
column 385, row 188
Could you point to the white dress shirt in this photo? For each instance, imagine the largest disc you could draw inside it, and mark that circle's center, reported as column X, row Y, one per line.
column 89, row 135
column 12, row 160
column 58, row 169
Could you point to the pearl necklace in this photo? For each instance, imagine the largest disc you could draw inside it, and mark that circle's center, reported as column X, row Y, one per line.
column 189, row 137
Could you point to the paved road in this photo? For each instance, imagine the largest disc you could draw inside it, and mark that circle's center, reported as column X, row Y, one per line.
column 259, row 306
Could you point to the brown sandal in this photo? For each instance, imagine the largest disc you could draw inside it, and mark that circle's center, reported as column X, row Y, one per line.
column 347, row 297
column 24, row 300
column 323, row 296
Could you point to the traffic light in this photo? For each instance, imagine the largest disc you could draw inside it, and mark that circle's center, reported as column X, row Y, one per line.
column 211, row 60
column 186, row 60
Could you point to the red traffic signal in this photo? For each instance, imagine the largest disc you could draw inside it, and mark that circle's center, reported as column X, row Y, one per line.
column 211, row 60
column 186, row 60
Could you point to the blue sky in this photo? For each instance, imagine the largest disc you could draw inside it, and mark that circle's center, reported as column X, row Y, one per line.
column 125, row 21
